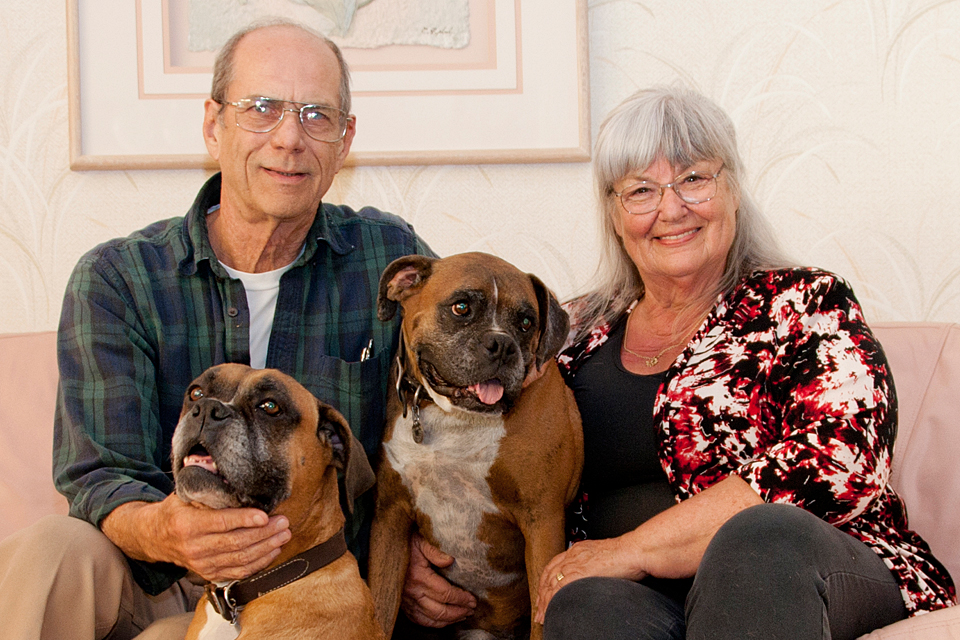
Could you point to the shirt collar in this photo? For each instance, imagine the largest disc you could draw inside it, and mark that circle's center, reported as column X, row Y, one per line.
column 197, row 245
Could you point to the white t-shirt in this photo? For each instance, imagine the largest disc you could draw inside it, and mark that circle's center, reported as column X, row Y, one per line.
column 262, row 291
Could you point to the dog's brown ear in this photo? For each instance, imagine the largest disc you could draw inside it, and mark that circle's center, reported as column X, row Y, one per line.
column 399, row 281
column 554, row 322
column 348, row 455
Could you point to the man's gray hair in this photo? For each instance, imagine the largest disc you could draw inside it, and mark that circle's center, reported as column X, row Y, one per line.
column 683, row 127
column 223, row 66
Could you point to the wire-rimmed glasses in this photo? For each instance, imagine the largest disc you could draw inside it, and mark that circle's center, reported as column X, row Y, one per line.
column 693, row 187
column 261, row 115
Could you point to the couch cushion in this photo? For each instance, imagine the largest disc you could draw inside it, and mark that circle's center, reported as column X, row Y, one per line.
column 938, row 625
column 28, row 390
column 925, row 360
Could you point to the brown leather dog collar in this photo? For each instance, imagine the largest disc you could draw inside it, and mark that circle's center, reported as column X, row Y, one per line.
column 230, row 599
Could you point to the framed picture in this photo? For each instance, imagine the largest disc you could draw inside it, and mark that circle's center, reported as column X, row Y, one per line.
column 457, row 82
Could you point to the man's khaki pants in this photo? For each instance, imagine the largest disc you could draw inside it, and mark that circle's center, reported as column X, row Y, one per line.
column 61, row 579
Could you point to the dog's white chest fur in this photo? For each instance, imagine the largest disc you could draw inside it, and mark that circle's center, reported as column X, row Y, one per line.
column 446, row 476
column 216, row 627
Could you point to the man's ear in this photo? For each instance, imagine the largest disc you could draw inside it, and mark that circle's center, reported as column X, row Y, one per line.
column 347, row 141
column 211, row 127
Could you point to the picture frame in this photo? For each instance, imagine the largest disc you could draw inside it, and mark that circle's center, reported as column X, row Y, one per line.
column 131, row 108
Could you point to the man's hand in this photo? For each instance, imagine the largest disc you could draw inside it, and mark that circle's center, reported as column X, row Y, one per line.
column 428, row 599
column 217, row 544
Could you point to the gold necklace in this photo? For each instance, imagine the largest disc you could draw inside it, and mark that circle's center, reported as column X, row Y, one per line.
column 650, row 361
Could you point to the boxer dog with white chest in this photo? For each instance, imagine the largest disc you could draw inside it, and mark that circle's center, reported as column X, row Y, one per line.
column 257, row 438
column 483, row 448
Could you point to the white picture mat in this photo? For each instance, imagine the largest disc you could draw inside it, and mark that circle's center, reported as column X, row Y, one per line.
column 159, row 83
column 114, row 125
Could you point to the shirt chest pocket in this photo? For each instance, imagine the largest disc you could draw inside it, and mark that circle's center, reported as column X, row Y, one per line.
column 357, row 390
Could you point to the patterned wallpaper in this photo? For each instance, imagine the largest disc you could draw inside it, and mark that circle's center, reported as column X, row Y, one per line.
column 847, row 113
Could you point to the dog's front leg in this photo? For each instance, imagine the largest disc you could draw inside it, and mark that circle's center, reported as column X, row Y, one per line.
column 389, row 547
column 544, row 538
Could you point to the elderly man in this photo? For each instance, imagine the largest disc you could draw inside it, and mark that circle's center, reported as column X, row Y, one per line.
column 258, row 272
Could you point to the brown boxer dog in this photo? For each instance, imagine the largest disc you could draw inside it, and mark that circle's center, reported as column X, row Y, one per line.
column 482, row 464
column 257, row 438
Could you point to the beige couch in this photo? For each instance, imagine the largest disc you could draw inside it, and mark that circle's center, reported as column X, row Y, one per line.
column 925, row 358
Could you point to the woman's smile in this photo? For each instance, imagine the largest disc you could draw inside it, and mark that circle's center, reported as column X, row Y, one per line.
column 677, row 238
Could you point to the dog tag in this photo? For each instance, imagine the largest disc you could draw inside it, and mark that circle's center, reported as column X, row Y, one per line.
column 417, row 427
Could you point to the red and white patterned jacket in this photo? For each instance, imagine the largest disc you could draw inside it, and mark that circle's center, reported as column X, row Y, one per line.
column 784, row 385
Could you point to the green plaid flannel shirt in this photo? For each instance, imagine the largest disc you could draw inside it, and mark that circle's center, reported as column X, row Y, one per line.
column 144, row 315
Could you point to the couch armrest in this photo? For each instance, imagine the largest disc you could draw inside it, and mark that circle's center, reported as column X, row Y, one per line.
column 925, row 360
column 28, row 391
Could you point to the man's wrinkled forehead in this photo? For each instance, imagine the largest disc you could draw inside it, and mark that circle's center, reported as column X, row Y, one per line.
column 285, row 62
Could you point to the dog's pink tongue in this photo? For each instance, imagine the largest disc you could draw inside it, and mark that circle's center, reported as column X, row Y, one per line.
column 488, row 392
column 197, row 460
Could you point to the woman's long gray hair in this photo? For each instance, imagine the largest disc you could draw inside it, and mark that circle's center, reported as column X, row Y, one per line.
column 683, row 127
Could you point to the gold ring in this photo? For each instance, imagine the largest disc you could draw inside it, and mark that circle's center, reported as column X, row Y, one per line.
column 559, row 576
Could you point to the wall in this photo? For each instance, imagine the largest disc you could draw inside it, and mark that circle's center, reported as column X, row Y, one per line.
column 846, row 110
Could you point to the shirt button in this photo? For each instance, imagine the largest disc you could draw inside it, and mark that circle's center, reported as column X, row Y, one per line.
column 233, row 312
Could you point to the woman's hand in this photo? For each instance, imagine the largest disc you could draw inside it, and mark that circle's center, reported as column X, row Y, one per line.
column 428, row 599
column 584, row 559
column 668, row 545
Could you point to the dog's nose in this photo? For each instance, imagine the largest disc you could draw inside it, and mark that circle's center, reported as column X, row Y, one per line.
column 211, row 411
column 499, row 345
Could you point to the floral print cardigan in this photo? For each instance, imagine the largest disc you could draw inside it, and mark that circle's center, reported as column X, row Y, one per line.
column 784, row 385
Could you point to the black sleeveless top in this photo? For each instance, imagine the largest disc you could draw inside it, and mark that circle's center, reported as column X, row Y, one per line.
column 621, row 472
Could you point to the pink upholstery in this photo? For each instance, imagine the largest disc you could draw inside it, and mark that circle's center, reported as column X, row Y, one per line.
column 28, row 390
column 939, row 625
column 924, row 357
column 925, row 360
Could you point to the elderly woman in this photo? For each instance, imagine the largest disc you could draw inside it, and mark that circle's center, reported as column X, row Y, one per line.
column 739, row 416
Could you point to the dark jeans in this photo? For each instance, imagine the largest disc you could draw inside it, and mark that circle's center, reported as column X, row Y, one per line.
column 771, row 572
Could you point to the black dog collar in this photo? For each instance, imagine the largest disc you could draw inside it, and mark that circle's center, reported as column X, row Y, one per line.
column 230, row 599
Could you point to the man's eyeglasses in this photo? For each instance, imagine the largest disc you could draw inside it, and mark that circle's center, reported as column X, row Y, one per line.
column 693, row 187
column 260, row 115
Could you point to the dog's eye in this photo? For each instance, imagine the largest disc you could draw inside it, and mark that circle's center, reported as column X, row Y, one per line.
column 526, row 323
column 270, row 407
column 196, row 393
column 460, row 308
